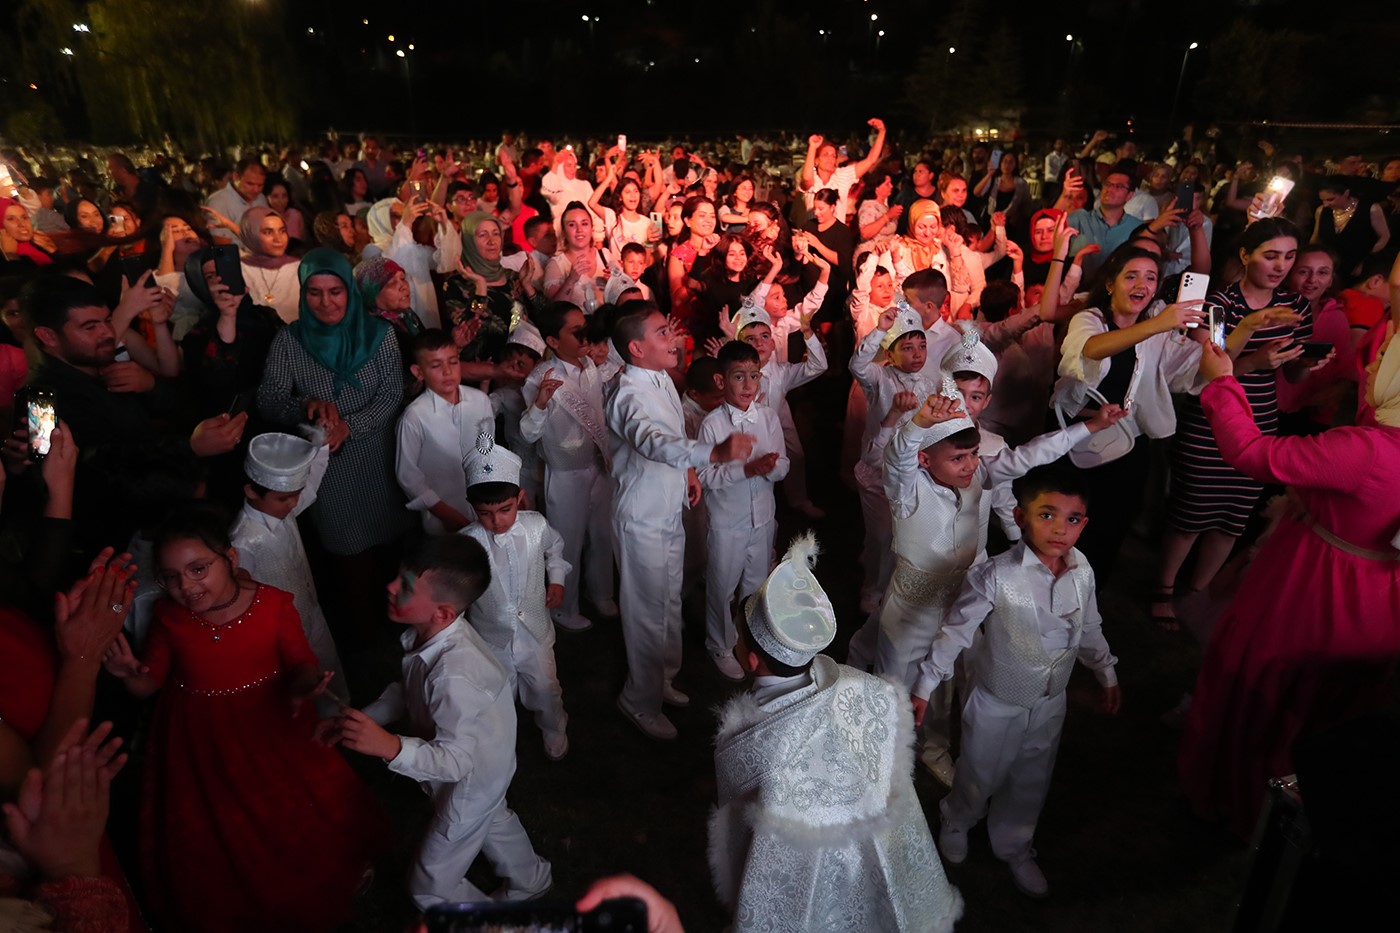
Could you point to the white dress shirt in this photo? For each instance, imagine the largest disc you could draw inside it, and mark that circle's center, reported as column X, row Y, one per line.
column 1054, row 598
column 434, row 437
column 733, row 499
column 460, row 710
column 563, row 440
column 943, row 530
column 841, row 181
column 651, row 453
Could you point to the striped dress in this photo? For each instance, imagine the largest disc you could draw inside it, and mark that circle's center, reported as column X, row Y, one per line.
column 1206, row 494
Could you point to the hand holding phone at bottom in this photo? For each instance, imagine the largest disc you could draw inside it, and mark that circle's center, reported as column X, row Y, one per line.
column 661, row 913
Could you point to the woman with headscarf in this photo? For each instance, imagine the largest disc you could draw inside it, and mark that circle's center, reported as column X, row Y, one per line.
column 338, row 367
column 385, row 293
column 226, row 348
column 488, row 292
column 269, row 273
column 921, row 247
column 336, row 230
column 18, row 251
column 1312, row 636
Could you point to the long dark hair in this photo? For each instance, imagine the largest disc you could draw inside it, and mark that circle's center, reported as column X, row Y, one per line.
column 1098, row 293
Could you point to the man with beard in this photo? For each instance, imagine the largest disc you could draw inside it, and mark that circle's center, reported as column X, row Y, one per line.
column 113, row 409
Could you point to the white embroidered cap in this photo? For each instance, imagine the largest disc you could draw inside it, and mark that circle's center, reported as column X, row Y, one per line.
column 971, row 355
column 908, row 321
column 790, row 617
column 279, row 462
column 946, row 429
column 489, row 463
column 527, row 335
column 750, row 313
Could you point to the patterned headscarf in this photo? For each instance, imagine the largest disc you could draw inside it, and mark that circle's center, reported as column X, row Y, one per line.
column 372, row 275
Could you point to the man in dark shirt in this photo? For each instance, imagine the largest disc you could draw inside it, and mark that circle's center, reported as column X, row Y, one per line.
column 117, row 430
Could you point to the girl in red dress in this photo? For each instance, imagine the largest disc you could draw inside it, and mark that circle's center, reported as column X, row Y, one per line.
column 247, row 823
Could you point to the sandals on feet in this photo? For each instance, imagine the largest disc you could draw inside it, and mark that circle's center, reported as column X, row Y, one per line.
column 1164, row 596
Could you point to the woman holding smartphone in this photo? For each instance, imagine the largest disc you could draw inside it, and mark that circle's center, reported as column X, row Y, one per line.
column 1121, row 352
column 1266, row 324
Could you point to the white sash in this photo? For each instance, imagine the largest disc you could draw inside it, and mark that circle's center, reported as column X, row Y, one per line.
column 584, row 413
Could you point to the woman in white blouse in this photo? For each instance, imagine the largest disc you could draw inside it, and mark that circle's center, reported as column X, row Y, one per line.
column 1120, row 352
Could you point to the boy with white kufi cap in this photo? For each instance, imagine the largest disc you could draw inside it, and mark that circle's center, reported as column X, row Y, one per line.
column 973, row 367
column 527, row 580
column 900, row 333
column 862, row 857
column 934, row 479
column 283, row 473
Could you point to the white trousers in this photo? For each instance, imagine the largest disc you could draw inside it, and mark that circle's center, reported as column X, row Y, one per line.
column 534, row 679
column 877, row 554
column 740, row 560
column 450, row 847
column 578, row 504
column 1008, row 755
column 651, row 558
column 860, row 651
column 906, row 633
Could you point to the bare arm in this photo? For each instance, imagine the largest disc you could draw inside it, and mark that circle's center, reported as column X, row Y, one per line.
column 872, row 158
column 808, row 164
column 1379, row 225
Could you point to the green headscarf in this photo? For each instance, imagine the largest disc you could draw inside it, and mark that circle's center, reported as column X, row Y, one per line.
column 345, row 347
column 491, row 270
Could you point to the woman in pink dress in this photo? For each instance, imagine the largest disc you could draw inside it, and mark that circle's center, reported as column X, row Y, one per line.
column 1313, row 634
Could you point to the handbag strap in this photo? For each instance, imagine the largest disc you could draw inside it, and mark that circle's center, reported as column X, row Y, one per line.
column 1092, row 393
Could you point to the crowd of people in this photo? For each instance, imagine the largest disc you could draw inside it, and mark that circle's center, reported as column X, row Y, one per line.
column 502, row 394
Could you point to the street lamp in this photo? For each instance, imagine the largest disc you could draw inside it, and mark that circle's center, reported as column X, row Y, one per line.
column 1171, row 120
column 878, row 36
column 66, row 51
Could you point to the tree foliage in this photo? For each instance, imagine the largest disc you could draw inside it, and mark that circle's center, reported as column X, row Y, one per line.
column 978, row 83
column 204, row 74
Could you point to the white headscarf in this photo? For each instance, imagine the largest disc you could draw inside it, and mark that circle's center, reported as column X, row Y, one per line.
column 381, row 222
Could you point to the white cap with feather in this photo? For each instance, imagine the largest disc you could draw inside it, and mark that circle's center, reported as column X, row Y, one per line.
column 790, row 617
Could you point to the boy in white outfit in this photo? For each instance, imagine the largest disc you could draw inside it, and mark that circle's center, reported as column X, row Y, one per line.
column 934, row 480
column 739, row 497
column 779, row 376
column 973, row 367
column 435, row 432
column 460, row 744
column 283, row 474
column 523, row 350
column 654, row 464
column 527, row 580
column 1037, row 608
column 702, row 396
column 564, row 418
column 900, row 333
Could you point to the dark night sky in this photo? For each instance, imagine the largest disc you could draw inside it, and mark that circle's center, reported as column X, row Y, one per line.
column 763, row 64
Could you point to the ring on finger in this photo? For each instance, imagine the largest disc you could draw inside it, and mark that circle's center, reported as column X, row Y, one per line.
column 118, row 607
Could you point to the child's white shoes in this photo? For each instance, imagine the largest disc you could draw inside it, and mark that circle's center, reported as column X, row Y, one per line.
column 952, row 844
column 1029, row 879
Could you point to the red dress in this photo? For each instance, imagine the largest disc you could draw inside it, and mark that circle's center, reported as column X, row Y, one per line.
column 247, row 824
column 1313, row 634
